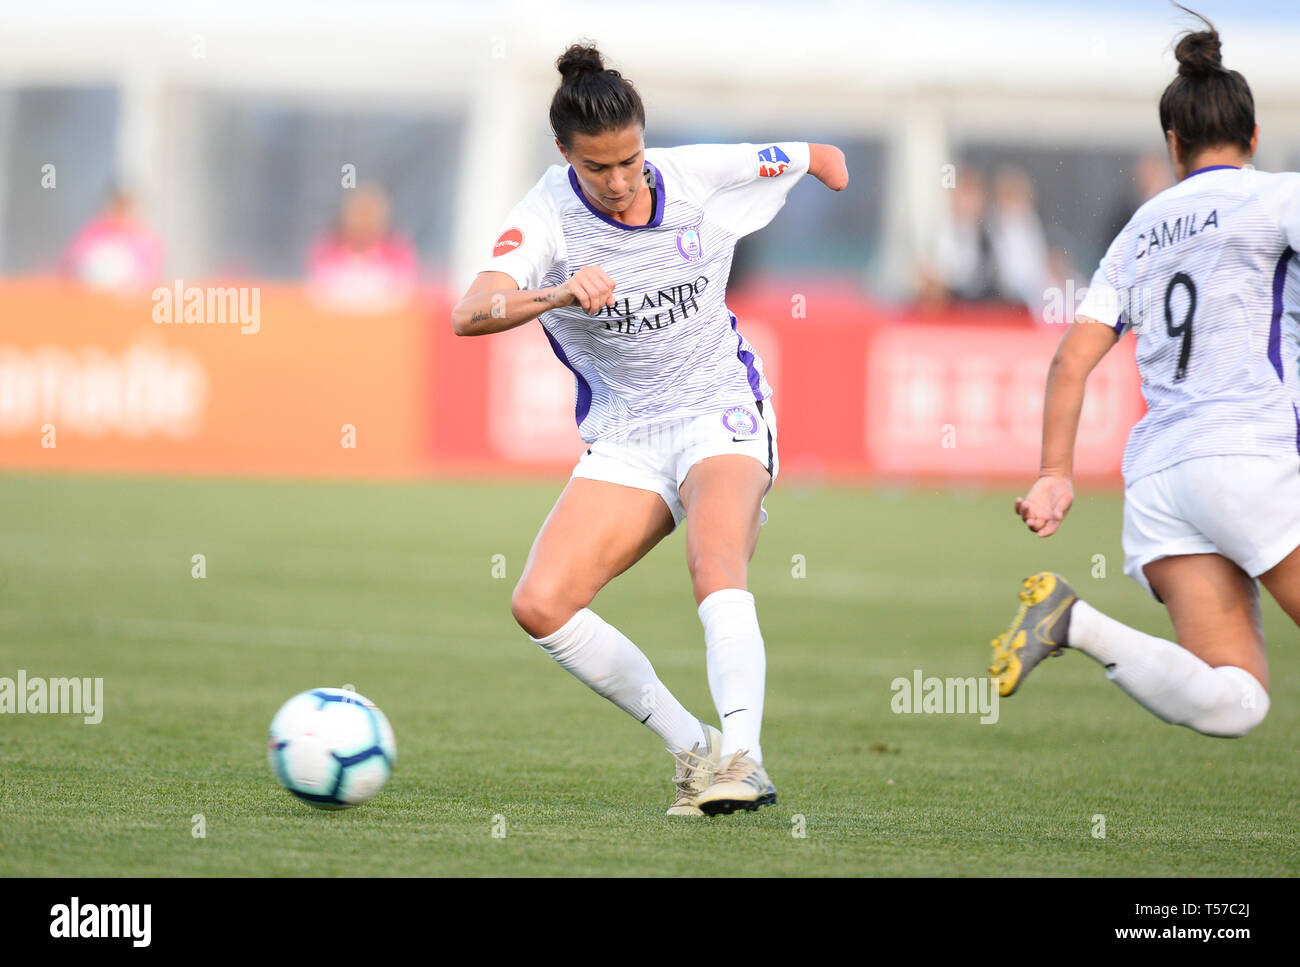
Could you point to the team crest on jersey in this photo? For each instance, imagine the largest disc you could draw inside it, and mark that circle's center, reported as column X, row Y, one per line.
column 772, row 161
column 740, row 420
column 509, row 240
column 689, row 245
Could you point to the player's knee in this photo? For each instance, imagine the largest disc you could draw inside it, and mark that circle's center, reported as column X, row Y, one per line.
column 711, row 570
column 540, row 610
column 529, row 609
column 1244, row 706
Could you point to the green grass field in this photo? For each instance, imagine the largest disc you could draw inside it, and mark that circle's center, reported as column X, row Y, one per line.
column 390, row 588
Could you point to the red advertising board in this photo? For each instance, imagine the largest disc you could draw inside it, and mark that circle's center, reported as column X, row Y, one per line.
column 952, row 401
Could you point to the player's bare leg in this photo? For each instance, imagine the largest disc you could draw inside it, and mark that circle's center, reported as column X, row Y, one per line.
column 1215, row 610
column 723, row 498
column 1283, row 582
column 595, row 532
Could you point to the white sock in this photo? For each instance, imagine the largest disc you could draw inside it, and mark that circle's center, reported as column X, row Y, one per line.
column 1169, row 680
column 602, row 657
column 737, row 668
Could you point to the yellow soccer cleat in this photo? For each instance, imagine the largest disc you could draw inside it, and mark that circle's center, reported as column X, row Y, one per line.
column 695, row 771
column 1040, row 628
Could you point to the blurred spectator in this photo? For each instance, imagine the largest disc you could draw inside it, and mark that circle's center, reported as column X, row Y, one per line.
column 962, row 265
column 1151, row 175
column 115, row 251
column 1020, row 250
column 362, row 265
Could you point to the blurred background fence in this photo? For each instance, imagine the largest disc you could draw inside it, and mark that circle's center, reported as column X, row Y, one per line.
column 337, row 171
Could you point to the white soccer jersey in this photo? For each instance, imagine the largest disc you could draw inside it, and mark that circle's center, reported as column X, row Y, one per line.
column 1206, row 275
column 669, row 347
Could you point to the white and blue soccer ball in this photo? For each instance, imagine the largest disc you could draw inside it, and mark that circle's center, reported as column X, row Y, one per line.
column 331, row 748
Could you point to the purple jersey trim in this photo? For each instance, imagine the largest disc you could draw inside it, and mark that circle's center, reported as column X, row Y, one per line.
column 746, row 357
column 583, row 404
column 1275, row 324
column 1119, row 325
column 659, row 201
column 1297, row 427
column 1201, row 171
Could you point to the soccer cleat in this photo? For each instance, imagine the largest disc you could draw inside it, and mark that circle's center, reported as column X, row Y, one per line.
column 741, row 783
column 1040, row 628
column 695, row 769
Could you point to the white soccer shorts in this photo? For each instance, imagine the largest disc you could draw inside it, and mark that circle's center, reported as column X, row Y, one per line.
column 1246, row 508
column 658, row 456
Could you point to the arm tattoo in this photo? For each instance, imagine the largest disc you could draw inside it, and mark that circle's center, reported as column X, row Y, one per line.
column 477, row 317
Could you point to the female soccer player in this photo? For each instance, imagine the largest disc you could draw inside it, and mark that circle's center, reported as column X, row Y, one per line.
column 624, row 255
column 1206, row 275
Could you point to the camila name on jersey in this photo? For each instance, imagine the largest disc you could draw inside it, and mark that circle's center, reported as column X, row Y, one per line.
column 1171, row 233
column 654, row 310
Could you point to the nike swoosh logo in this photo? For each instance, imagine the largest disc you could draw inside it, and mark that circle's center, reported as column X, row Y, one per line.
column 1050, row 620
column 743, row 439
column 734, row 711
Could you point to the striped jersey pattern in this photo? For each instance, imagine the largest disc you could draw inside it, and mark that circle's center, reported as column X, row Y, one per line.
column 1207, row 277
column 670, row 347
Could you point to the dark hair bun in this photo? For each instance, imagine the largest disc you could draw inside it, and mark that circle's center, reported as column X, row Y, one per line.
column 591, row 98
column 578, row 60
column 1199, row 53
column 1206, row 104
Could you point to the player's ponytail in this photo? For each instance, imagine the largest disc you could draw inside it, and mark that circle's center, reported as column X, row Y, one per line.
column 1206, row 105
column 591, row 99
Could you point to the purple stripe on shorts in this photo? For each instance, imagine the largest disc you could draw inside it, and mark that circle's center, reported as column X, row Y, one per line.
column 583, row 405
column 1275, row 325
column 746, row 357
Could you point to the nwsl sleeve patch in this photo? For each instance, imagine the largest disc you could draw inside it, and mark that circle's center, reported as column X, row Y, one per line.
column 772, row 161
column 510, row 240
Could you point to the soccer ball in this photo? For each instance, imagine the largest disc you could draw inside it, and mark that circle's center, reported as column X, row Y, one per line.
column 331, row 748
